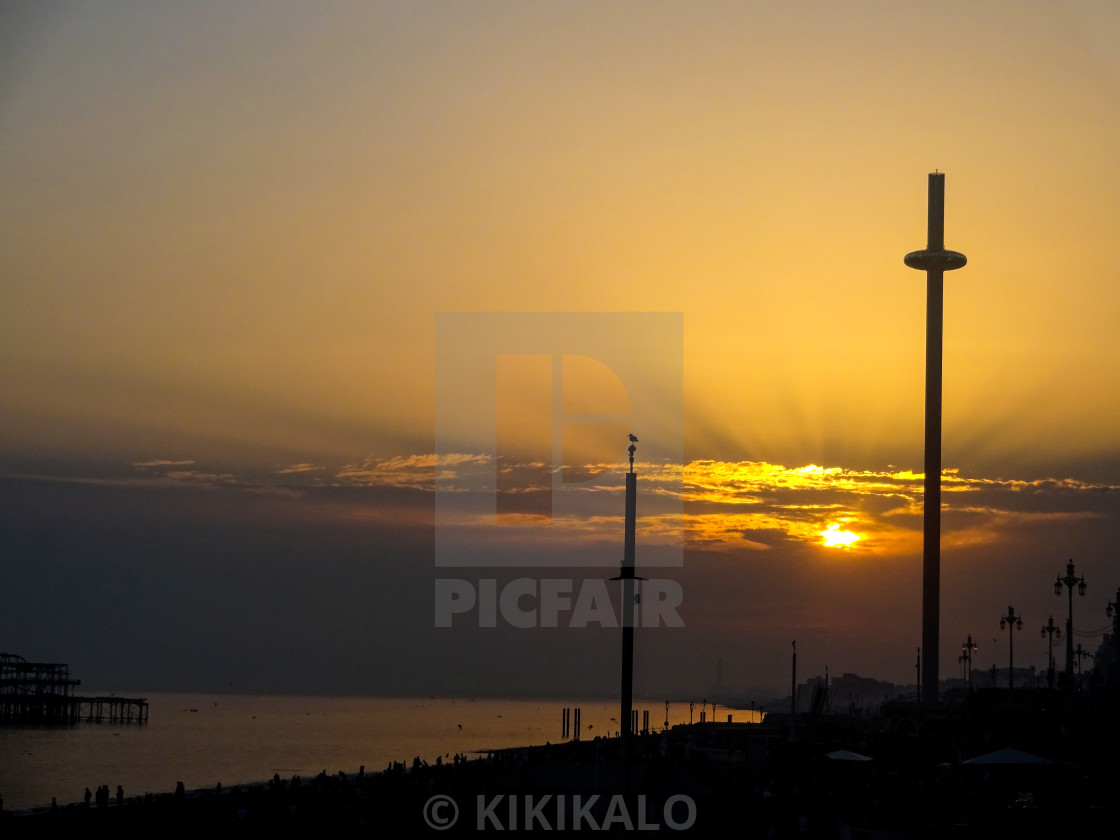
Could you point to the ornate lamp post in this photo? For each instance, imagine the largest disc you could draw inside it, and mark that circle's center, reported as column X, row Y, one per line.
column 967, row 649
column 1011, row 621
column 627, row 578
column 1113, row 608
column 1050, row 629
column 1070, row 580
column 1081, row 654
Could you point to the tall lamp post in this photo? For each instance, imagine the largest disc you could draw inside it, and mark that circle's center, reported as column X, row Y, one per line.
column 918, row 668
column 1050, row 629
column 1081, row 654
column 1070, row 580
column 1011, row 621
column 968, row 647
column 627, row 577
column 1112, row 609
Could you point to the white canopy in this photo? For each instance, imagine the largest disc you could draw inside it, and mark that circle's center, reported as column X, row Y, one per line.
column 1007, row 756
column 847, row 755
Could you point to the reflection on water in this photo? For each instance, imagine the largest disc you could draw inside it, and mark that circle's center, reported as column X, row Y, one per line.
column 202, row 739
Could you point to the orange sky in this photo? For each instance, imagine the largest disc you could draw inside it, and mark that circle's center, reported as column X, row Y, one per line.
column 226, row 231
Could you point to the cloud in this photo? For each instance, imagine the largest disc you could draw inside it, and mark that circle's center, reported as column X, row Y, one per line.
column 298, row 468
column 415, row 471
column 199, row 477
column 757, row 505
column 728, row 505
column 752, row 503
column 164, row 467
column 273, row 490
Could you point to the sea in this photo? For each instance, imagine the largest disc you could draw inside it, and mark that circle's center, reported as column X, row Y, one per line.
column 202, row 740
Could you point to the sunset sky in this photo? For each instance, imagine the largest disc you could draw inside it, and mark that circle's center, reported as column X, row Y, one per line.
column 228, row 232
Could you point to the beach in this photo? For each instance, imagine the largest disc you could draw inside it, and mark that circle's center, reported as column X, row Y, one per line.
column 205, row 739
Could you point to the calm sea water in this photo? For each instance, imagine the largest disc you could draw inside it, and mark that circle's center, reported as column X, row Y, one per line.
column 203, row 739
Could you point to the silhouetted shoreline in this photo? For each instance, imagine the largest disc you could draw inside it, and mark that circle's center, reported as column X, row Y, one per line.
column 748, row 777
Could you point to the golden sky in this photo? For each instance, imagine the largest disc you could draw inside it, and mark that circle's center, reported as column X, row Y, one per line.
column 226, row 230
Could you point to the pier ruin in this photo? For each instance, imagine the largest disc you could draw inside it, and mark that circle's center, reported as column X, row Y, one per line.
column 42, row 693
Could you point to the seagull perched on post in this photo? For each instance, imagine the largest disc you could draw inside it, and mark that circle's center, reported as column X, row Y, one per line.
column 633, row 438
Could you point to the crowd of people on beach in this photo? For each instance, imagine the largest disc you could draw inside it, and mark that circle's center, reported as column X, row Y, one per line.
column 100, row 799
column 419, row 764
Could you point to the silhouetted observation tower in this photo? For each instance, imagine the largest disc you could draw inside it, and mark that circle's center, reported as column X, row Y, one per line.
column 934, row 261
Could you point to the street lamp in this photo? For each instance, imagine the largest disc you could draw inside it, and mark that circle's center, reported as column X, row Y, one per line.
column 1011, row 621
column 1070, row 580
column 967, row 649
column 1050, row 629
column 1081, row 654
column 918, row 668
column 1113, row 607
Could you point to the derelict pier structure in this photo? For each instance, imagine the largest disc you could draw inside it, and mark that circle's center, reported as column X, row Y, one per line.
column 43, row 693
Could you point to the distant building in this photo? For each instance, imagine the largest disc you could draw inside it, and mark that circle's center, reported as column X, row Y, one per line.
column 995, row 677
column 846, row 693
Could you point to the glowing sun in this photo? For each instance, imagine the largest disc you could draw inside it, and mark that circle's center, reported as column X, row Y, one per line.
column 832, row 536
